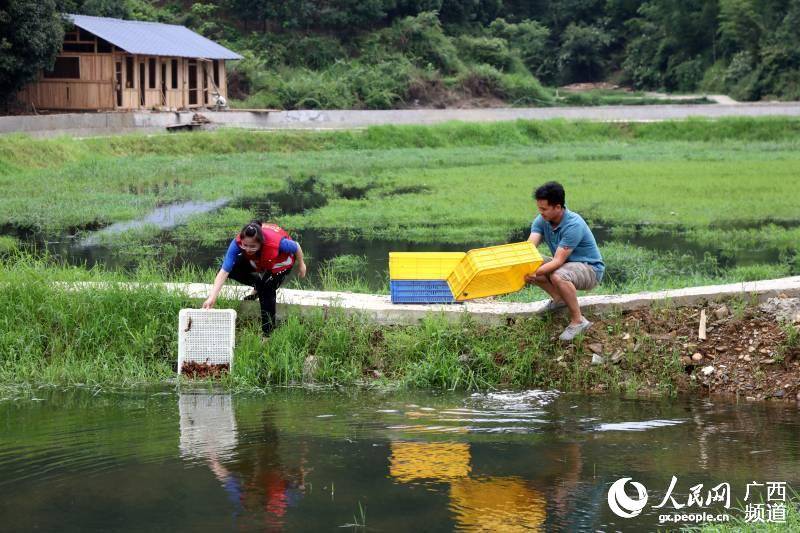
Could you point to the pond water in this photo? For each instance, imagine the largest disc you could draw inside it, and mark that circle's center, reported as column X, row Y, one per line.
column 93, row 250
column 78, row 459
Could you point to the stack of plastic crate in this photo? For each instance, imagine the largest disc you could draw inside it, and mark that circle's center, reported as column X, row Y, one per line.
column 421, row 277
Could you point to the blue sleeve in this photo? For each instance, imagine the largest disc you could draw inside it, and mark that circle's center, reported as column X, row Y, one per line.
column 230, row 256
column 571, row 236
column 287, row 246
column 538, row 225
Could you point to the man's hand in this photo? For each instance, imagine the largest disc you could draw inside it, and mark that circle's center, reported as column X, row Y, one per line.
column 209, row 303
column 302, row 269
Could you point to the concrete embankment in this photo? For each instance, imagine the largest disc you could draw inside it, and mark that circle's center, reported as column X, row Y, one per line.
column 113, row 123
column 380, row 309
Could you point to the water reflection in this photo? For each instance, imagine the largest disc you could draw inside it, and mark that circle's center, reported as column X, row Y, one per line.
column 95, row 460
column 164, row 217
column 257, row 483
column 497, row 504
column 438, row 461
column 208, row 426
column 477, row 503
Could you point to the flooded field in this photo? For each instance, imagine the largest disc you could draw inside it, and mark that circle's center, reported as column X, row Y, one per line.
column 84, row 459
column 320, row 247
column 670, row 206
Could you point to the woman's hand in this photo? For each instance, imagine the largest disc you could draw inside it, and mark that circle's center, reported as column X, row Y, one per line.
column 301, row 269
column 218, row 282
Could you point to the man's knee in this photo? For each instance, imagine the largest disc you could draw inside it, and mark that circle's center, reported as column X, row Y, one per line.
column 557, row 279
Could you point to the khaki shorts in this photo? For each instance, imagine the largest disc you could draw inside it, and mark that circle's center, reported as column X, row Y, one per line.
column 579, row 274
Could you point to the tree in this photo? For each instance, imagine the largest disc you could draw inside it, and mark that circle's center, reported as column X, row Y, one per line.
column 31, row 33
column 740, row 27
column 96, row 8
column 528, row 37
column 582, row 57
column 470, row 11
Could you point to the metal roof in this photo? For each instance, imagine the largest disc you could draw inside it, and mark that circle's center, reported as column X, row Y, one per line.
column 152, row 38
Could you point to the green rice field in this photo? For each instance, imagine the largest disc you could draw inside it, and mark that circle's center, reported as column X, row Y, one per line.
column 672, row 203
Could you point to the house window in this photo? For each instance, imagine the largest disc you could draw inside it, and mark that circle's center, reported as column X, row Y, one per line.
column 65, row 67
column 84, row 35
column 129, row 73
column 103, row 46
column 174, row 73
column 151, row 64
column 216, row 73
column 79, row 47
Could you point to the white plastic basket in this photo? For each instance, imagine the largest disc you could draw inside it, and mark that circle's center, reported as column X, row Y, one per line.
column 206, row 336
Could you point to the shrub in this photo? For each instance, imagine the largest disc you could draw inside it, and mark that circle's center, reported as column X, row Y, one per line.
column 380, row 86
column 492, row 51
column 686, row 76
column 523, row 89
column 481, row 81
column 528, row 39
column 714, row 78
column 421, row 39
column 314, row 51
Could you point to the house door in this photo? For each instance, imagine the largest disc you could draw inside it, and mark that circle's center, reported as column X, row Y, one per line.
column 205, row 84
column 163, row 83
column 192, row 82
column 118, row 85
column 141, row 84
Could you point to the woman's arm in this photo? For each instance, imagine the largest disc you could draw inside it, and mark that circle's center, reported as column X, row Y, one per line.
column 219, row 281
column 301, row 263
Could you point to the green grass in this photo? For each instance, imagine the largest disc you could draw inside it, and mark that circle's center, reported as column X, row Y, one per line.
column 619, row 97
column 8, row 244
column 20, row 152
column 124, row 336
column 725, row 187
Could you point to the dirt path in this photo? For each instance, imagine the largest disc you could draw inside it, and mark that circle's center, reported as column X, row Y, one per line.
column 89, row 124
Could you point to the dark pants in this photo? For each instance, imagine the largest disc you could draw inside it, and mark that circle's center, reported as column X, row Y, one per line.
column 266, row 285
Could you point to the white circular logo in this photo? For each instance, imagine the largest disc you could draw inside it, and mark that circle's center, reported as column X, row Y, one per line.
column 621, row 504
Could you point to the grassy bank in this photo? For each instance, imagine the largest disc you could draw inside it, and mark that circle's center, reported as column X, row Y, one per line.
column 20, row 152
column 119, row 336
column 124, row 337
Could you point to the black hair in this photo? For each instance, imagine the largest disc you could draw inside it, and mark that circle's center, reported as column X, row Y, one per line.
column 552, row 191
column 252, row 230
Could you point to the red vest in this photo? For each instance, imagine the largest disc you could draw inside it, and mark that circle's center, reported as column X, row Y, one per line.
column 269, row 258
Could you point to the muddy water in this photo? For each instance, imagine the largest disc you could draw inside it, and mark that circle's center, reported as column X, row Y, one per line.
column 313, row 461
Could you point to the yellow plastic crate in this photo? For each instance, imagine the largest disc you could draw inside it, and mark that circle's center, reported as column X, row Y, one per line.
column 423, row 265
column 494, row 270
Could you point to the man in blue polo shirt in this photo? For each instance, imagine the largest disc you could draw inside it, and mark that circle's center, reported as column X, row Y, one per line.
column 576, row 263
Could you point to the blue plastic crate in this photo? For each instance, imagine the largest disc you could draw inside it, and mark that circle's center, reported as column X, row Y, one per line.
column 425, row 291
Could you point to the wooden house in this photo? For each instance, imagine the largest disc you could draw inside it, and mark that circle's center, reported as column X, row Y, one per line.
column 113, row 64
